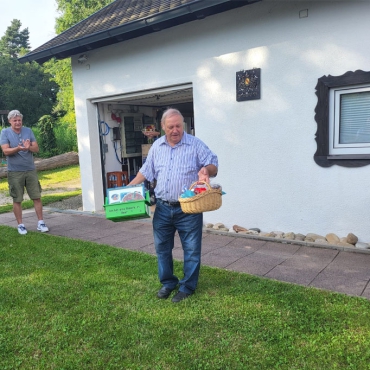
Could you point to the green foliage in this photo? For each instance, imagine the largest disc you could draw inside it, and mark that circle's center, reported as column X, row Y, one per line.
column 1, row 152
column 15, row 42
column 73, row 304
column 48, row 141
column 27, row 88
column 65, row 139
column 61, row 73
column 43, row 90
column 74, row 11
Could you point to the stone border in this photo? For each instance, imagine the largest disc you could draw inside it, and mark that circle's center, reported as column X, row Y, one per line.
column 226, row 233
column 288, row 241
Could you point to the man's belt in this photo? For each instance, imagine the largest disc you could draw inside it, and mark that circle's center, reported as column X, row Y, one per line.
column 172, row 204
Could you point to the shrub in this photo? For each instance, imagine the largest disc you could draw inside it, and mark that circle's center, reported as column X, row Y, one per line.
column 66, row 137
column 48, row 142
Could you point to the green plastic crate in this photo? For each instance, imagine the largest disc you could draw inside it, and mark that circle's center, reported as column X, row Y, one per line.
column 128, row 210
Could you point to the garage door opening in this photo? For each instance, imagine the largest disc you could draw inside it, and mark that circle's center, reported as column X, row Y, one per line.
column 123, row 120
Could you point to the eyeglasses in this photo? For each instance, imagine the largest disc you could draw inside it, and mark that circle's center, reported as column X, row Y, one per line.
column 20, row 138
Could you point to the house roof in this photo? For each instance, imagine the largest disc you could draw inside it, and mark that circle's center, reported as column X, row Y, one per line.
column 124, row 20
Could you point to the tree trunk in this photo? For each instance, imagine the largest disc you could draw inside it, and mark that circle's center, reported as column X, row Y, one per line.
column 61, row 160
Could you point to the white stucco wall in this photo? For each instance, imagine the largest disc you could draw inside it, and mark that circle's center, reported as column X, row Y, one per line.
column 265, row 146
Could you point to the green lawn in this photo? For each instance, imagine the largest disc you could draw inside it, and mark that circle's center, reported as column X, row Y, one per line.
column 61, row 178
column 71, row 304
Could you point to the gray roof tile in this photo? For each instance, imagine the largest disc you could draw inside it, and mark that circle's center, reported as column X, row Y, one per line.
column 126, row 19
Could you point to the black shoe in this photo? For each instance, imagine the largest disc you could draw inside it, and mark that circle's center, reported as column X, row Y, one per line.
column 164, row 292
column 179, row 296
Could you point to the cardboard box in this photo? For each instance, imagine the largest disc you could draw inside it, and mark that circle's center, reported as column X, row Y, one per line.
column 144, row 152
column 145, row 149
column 128, row 210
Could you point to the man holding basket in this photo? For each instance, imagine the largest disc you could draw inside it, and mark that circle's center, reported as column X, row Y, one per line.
column 176, row 160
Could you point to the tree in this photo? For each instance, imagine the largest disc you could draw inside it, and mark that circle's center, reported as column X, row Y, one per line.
column 15, row 42
column 61, row 73
column 48, row 141
column 23, row 86
column 27, row 88
column 72, row 12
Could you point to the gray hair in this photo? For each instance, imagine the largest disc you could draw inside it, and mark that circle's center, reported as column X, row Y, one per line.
column 169, row 113
column 14, row 113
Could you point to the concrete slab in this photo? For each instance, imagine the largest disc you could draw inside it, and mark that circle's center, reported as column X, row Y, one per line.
column 341, row 284
column 316, row 253
column 279, row 249
column 270, row 260
column 348, row 259
column 366, row 292
column 134, row 243
column 252, row 244
column 313, row 259
column 328, row 268
column 217, row 240
column 224, row 257
column 349, row 272
column 292, row 275
column 248, row 266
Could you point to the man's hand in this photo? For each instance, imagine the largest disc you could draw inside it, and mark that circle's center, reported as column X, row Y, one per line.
column 24, row 146
column 203, row 175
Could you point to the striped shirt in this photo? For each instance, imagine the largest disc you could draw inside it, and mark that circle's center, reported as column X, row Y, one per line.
column 176, row 167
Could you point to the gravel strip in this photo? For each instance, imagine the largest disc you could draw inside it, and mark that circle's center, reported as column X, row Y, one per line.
column 74, row 203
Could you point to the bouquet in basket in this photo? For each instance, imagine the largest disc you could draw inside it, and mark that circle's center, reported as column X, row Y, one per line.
column 201, row 197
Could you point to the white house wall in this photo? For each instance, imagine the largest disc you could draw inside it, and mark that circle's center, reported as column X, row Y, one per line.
column 265, row 147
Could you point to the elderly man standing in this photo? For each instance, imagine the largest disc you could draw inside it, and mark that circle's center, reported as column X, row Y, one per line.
column 18, row 144
column 176, row 160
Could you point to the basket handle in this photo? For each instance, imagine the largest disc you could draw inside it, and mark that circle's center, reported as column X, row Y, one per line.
column 200, row 183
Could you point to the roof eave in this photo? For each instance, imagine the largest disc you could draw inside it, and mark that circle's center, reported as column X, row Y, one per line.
column 155, row 23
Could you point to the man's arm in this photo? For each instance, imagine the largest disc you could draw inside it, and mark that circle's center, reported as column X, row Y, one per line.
column 7, row 150
column 33, row 147
column 139, row 178
column 26, row 145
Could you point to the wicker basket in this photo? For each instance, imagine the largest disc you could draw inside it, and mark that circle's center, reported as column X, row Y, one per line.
column 208, row 200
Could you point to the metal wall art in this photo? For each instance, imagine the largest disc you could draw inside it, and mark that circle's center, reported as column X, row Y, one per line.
column 248, row 84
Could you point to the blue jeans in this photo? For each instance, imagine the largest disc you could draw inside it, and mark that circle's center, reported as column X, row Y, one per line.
column 167, row 219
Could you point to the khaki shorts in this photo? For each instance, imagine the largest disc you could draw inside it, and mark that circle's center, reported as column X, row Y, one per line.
column 18, row 180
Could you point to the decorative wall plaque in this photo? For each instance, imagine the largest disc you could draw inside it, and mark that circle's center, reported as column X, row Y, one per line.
column 248, row 84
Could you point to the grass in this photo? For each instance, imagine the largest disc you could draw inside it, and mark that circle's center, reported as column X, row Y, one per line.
column 72, row 304
column 51, row 180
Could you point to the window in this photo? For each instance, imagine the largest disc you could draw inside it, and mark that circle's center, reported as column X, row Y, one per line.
column 343, row 120
column 349, row 121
